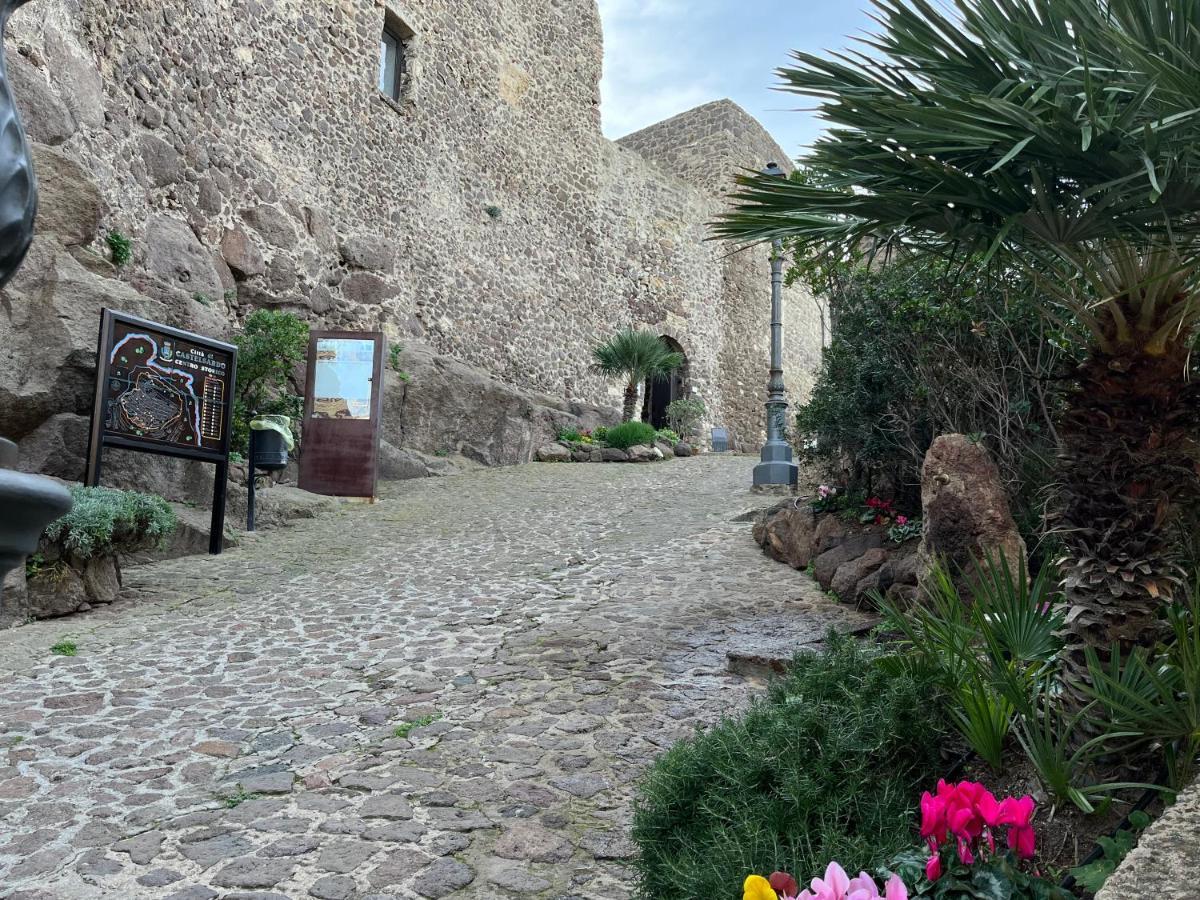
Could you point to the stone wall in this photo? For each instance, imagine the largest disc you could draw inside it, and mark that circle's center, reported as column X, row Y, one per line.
column 245, row 148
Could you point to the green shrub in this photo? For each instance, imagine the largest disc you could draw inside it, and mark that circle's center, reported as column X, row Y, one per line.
column 104, row 520
column 667, row 436
column 271, row 345
column 120, row 248
column 571, row 435
column 627, row 434
column 600, row 434
column 829, row 766
column 683, row 416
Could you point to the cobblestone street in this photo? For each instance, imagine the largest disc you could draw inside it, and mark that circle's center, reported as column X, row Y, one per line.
column 448, row 693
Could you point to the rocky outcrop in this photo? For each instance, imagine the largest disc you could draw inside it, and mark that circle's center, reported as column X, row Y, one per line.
column 965, row 511
column 785, row 532
column 850, row 562
column 1165, row 865
column 446, row 406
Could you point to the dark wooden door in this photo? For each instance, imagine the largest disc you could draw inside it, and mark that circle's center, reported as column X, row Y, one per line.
column 343, row 404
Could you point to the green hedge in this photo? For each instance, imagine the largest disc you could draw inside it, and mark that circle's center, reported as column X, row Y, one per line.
column 829, row 766
column 627, row 434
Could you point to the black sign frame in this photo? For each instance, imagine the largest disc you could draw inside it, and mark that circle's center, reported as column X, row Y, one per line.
column 99, row 438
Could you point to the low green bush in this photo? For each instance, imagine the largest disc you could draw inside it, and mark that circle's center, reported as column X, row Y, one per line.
column 627, row 434
column 828, row 766
column 600, row 434
column 571, row 435
column 104, row 520
column 667, row 436
column 683, row 416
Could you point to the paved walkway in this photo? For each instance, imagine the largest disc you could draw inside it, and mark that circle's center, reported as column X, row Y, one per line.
column 449, row 693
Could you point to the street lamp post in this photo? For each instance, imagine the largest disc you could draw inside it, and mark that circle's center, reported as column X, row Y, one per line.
column 776, row 466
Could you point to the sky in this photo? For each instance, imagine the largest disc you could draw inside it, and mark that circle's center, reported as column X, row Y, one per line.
column 662, row 57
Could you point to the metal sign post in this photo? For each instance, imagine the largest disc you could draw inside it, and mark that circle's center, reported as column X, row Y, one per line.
column 166, row 391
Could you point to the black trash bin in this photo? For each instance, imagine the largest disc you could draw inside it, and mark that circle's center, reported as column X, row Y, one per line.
column 268, row 450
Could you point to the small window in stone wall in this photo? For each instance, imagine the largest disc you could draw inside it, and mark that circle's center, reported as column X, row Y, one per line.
column 393, row 57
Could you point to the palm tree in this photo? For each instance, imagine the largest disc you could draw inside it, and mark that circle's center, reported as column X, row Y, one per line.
column 1062, row 136
column 635, row 355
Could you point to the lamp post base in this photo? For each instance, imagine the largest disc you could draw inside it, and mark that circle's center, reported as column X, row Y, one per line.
column 777, row 467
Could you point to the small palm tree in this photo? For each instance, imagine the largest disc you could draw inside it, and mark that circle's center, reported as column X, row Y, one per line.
column 635, row 355
column 1061, row 136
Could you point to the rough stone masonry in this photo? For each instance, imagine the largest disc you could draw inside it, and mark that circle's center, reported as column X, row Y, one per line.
column 481, row 220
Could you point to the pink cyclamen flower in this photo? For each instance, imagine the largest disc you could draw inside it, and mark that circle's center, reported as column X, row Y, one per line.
column 901, row 520
column 933, row 867
column 1022, row 840
column 837, row 885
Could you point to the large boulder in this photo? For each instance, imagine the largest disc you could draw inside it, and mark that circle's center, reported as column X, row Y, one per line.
column 50, row 317
column 965, row 511
column 553, row 453
column 827, row 564
column 46, row 118
column 70, row 206
column 449, row 407
column 175, row 255
column 785, row 532
column 849, row 575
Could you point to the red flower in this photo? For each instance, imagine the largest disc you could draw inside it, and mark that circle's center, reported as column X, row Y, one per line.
column 784, row 884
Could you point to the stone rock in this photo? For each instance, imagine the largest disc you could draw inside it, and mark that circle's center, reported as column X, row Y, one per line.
column 102, row 579
column 667, row 450
column 273, row 224
column 448, row 405
column 613, row 454
column 445, row 876
column 142, row 848
column 368, row 251
column 642, row 453
column 164, row 165
column 398, row 464
column 47, row 119
column 587, row 454
column 1165, row 865
column 70, row 205
column 533, row 842
column 826, row 565
column 55, row 592
column 175, row 254
column 333, row 887
column 830, row 532
column 785, row 532
column 683, row 449
column 251, row 872
column 241, row 255
column 57, row 447
column 386, row 806
column 965, row 510
column 552, row 453
column 76, row 77
column 367, row 288
column 849, row 574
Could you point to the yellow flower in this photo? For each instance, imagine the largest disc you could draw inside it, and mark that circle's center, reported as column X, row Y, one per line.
column 758, row 888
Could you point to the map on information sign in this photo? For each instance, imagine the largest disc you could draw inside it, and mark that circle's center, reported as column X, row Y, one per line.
column 165, row 389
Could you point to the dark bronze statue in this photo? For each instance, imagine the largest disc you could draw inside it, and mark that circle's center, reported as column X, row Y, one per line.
column 18, row 186
column 28, row 502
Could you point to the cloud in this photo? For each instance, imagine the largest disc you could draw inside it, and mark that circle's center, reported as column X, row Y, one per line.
column 646, row 78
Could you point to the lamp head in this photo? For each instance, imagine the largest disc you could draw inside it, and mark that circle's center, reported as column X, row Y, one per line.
column 774, row 169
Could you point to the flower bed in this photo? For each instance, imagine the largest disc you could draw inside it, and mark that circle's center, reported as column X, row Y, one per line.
column 627, row 442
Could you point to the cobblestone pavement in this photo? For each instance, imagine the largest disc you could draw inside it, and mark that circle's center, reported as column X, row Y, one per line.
column 449, row 693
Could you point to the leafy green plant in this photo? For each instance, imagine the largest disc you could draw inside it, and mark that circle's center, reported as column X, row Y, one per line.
column 600, row 434
column 395, row 351
column 270, row 346
column 1000, row 877
column 1155, row 694
column 237, row 798
column 635, row 356
column 120, row 248
column 65, row 647
column 627, row 434
column 666, row 435
column 202, row 299
column 684, row 416
column 493, row 212
column 828, row 766
column 992, row 654
column 569, row 434
column 907, row 530
column 1091, row 877
column 105, row 520
column 404, row 729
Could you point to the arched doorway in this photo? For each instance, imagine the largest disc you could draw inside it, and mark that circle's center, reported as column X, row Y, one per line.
column 660, row 392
